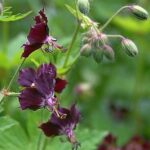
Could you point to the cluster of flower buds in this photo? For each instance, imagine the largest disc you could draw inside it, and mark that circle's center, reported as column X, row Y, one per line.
column 96, row 44
column 135, row 143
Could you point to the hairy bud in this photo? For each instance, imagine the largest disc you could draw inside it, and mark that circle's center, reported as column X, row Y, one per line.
column 98, row 54
column 108, row 52
column 139, row 12
column 86, row 50
column 1, row 7
column 83, row 6
column 103, row 38
column 129, row 47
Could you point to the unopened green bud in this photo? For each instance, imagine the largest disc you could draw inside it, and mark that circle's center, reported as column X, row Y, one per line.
column 129, row 47
column 83, row 6
column 139, row 12
column 1, row 7
column 98, row 54
column 86, row 50
column 108, row 52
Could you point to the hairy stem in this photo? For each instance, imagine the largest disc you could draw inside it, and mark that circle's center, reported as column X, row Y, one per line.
column 5, row 92
column 71, row 45
column 115, row 36
column 12, row 79
column 111, row 18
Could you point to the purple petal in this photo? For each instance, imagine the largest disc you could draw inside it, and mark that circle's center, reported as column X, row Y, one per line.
column 75, row 114
column 26, row 77
column 60, row 85
column 62, row 122
column 41, row 17
column 45, row 84
column 31, row 98
column 28, row 49
column 47, row 68
column 50, row 129
column 38, row 33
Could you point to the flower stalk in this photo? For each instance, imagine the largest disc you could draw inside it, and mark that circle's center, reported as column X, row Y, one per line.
column 111, row 18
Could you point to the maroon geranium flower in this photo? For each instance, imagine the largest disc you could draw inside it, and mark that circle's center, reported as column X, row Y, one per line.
column 137, row 143
column 40, row 87
column 108, row 143
column 57, row 126
column 39, row 35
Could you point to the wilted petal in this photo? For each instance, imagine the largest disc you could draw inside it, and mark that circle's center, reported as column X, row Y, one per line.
column 28, row 49
column 31, row 98
column 50, row 129
column 48, row 69
column 60, row 85
column 26, row 77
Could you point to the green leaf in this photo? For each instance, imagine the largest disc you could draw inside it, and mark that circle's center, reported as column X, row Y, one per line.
column 7, row 15
column 12, row 136
column 88, row 139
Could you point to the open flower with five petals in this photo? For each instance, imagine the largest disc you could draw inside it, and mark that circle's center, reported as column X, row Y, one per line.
column 39, row 87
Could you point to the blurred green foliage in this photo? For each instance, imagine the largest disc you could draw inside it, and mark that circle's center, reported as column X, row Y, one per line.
column 124, row 82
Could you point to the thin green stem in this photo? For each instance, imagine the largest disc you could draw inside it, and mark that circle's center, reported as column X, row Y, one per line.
column 10, row 83
column 110, row 19
column 71, row 45
column 42, row 142
column 115, row 36
column 5, row 33
column 12, row 79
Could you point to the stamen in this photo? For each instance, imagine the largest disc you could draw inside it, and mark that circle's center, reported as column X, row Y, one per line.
column 59, row 114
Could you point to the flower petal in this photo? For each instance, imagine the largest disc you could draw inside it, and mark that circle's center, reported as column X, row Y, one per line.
column 26, row 77
column 38, row 33
column 47, row 68
column 41, row 17
column 28, row 49
column 45, row 84
column 31, row 98
column 60, row 85
column 50, row 129
column 75, row 114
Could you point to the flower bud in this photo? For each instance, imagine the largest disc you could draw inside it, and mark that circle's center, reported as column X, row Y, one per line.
column 86, row 50
column 129, row 47
column 103, row 38
column 1, row 7
column 139, row 12
column 98, row 54
column 108, row 52
column 83, row 6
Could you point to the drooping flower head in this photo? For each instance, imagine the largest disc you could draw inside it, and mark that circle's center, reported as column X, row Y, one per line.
column 39, row 87
column 39, row 35
column 57, row 126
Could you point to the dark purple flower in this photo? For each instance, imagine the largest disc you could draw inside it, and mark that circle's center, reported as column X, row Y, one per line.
column 108, row 143
column 39, row 35
column 39, row 87
column 57, row 126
